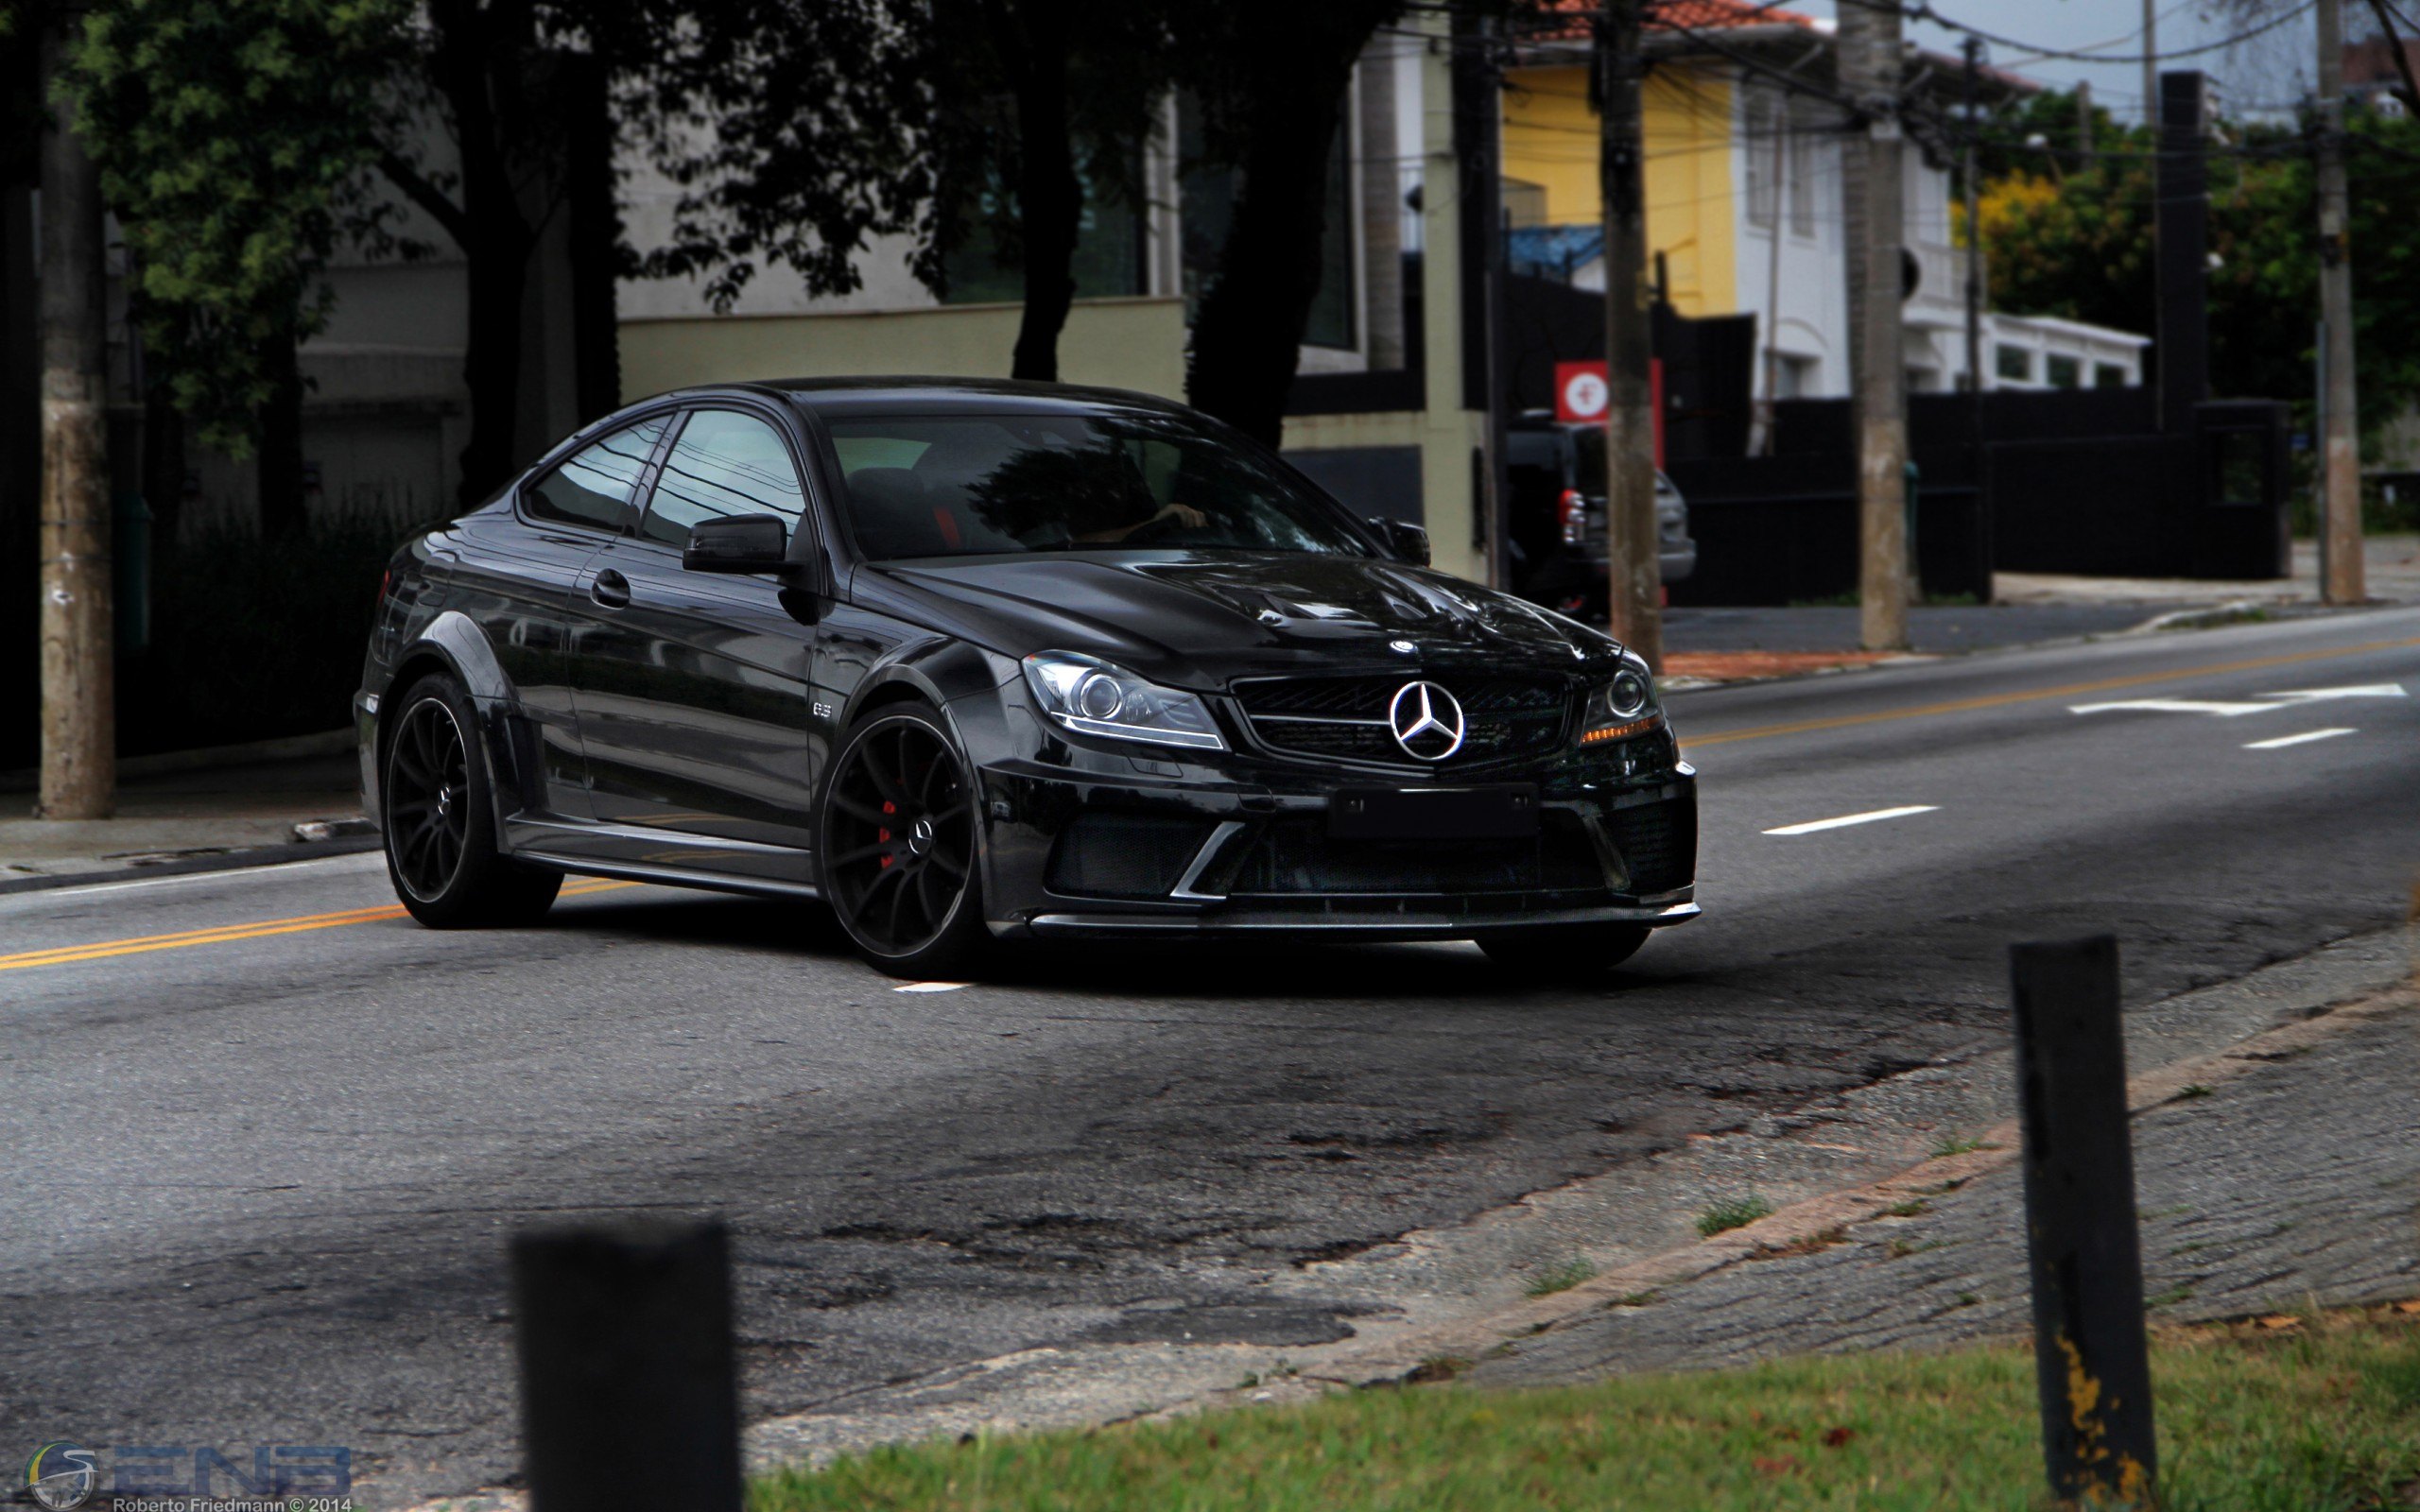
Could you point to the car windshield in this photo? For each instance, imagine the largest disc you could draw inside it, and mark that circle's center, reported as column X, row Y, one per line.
column 968, row 485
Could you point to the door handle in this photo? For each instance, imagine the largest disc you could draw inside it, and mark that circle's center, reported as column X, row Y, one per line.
column 611, row 588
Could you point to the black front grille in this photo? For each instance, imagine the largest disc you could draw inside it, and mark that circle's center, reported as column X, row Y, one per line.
column 1124, row 856
column 1298, row 856
column 1658, row 843
column 1345, row 718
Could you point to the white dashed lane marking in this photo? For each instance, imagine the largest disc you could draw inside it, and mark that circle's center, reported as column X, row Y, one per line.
column 2227, row 709
column 2305, row 738
column 1846, row 819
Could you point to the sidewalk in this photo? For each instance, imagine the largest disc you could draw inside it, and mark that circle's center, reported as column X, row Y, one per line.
column 1731, row 644
column 188, row 820
column 2288, row 1185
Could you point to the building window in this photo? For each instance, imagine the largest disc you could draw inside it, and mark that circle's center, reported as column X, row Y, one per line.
column 1109, row 248
column 2066, row 371
column 2108, row 375
column 2016, row 364
column 1206, row 203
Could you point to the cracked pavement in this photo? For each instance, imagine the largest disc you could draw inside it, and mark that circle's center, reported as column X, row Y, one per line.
column 262, row 1185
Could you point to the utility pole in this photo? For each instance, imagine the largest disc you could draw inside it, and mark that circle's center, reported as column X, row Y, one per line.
column 1968, row 170
column 2087, row 151
column 1635, row 564
column 1478, row 123
column 78, row 717
column 2341, row 575
column 1870, row 73
column 2150, row 65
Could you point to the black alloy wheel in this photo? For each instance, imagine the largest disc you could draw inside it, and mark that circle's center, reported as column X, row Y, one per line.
column 439, row 817
column 899, row 845
column 428, row 798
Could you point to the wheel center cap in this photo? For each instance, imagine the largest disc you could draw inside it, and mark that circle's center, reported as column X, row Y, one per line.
column 920, row 838
column 445, row 801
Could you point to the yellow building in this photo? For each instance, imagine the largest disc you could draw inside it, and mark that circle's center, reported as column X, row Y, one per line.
column 1690, row 131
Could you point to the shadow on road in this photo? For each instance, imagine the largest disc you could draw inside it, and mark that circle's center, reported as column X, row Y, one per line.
column 1223, row 969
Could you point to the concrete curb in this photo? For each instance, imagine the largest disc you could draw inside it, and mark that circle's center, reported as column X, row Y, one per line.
column 229, row 861
column 2204, row 618
column 207, row 757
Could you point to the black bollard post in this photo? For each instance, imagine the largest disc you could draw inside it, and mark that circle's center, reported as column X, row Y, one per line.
column 626, row 1390
column 2089, row 1348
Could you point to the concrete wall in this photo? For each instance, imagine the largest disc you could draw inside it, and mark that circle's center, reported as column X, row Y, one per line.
column 1137, row 344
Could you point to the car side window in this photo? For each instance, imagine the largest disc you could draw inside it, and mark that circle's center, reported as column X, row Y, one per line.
column 593, row 486
column 725, row 463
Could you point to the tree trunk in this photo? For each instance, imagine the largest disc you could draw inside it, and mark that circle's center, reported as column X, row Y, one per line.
column 498, row 271
column 79, row 691
column 596, row 237
column 163, row 470
column 1248, row 337
column 481, row 76
column 1050, row 198
column 282, row 517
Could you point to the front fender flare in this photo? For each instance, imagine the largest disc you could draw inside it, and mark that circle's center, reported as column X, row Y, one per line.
column 454, row 641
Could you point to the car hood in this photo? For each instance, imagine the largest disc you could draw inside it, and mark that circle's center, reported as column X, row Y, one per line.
column 1197, row 618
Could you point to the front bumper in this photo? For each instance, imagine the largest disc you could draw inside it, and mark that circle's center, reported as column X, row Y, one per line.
column 1091, row 841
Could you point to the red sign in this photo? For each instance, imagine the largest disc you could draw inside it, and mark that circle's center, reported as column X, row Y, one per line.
column 1581, row 396
column 1580, row 392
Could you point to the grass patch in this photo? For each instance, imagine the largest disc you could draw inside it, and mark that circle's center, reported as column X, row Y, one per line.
column 2321, row 1419
column 1561, row 1277
column 1646, row 1299
column 1902, row 1248
column 1959, row 1145
column 1913, row 1207
column 1736, row 1213
column 2191, row 1091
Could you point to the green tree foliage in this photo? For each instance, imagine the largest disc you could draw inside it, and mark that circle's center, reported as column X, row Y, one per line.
column 2080, row 244
column 800, row 130
column 233, row 136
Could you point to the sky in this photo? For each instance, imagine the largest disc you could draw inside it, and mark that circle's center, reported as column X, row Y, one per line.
column 2264, row 75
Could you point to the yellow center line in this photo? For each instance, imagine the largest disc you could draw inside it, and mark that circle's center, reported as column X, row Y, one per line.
column 223, row 934
column 1958, row 706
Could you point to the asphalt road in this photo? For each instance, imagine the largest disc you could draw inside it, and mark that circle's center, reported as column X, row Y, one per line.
column 267, row 1137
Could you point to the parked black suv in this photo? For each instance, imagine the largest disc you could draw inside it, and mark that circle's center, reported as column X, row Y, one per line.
column 1558, row 475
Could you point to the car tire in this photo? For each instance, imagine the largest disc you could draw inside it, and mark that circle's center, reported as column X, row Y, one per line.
column 438, row 814
column 1565, row 953
column 897, row 847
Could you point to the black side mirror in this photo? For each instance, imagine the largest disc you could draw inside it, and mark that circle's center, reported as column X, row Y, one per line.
column 739, row 544
column 1408, row 542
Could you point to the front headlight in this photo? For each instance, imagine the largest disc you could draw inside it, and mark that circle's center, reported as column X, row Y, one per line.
column 1625, row 705
column 1096, row 698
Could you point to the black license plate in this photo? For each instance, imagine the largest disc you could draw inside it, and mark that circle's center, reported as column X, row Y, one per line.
column 1502, row 813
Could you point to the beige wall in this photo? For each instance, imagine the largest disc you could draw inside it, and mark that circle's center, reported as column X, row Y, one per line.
column 1137, row 344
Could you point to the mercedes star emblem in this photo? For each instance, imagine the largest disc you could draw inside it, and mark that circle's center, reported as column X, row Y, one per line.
column 1405, row 647
column 1428, row 721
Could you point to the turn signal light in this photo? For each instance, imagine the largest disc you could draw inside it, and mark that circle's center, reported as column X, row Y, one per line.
column 1637, row 727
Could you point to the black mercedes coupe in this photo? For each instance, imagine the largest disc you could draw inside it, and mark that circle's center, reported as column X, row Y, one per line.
column 973, row 661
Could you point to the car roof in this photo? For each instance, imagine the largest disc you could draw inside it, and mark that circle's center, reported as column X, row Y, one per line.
column 921, row 394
